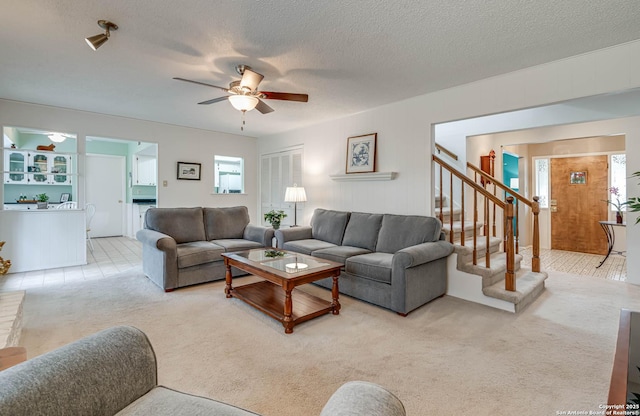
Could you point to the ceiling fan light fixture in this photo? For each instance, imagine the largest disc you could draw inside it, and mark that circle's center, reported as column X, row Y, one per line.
column 243, row 102
column 57, row 137
column 96, row 41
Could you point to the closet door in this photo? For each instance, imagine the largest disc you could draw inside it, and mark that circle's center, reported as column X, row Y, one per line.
column 277, row 172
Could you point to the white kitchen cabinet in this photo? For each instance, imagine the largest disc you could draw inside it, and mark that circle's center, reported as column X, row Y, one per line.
column 15, row 165
column 50, row 169
column 28, row 167
column 144, row 170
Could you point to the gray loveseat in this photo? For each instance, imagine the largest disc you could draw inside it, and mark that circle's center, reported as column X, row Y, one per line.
column 182, row 246
column 114, row 372
column 398, row 262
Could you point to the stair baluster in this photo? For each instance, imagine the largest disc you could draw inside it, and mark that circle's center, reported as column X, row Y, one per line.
column 509, row 208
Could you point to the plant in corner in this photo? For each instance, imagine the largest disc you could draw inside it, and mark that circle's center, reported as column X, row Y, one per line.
column 634, row 202
column 274, row 218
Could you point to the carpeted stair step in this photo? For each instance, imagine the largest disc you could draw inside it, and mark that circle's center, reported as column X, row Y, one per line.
column 457, row 230
column 496, row 270
column 529, row 285
column 465, row 253
column 446, row 212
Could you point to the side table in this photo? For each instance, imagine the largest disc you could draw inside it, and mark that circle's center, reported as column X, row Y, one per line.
column 607, row 227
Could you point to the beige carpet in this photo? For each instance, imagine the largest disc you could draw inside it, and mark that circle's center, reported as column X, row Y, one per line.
column 448, row 357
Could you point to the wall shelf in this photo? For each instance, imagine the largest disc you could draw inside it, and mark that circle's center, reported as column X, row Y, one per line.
column 372, row 176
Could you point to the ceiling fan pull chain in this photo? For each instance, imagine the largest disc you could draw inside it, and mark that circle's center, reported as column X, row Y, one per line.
column 242, row 118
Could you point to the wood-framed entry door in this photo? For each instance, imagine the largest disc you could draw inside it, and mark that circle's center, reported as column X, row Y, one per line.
column 577, row 208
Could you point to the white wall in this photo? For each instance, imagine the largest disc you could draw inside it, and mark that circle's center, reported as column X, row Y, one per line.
column 405, row 133
column 175, row 144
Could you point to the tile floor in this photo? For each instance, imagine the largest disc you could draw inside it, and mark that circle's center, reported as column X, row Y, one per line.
column 110, row 256
column 113, row 255
column 615, row 268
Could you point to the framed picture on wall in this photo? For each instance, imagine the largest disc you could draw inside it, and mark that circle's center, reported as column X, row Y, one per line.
column 361, row 153
column 578, row 178
column 190, row 171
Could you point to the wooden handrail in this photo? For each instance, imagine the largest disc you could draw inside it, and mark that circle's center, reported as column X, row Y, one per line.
column 469, row 182
column 499, row 184
column 446, row 151
column 508, row 208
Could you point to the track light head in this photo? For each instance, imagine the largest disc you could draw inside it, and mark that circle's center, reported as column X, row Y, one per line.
column 96, row 41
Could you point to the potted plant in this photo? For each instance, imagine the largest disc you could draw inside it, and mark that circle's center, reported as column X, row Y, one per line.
column 614, row 191
column 634, row 202
column 274, row 218
column 42, row 201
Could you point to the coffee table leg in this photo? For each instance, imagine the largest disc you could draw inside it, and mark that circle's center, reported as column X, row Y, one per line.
column 227, row 278
column 288, row 310
column 334, row 294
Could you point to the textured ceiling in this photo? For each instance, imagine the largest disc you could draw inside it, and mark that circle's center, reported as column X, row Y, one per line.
column 348, row 55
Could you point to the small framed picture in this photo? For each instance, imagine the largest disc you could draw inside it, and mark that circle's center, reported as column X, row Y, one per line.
column 65, row 197
column 187, row 170
column 361, row 153
column 578, row 178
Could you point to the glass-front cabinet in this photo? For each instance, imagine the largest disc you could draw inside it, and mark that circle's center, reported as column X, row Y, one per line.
column 15, row 163
column 37, row 168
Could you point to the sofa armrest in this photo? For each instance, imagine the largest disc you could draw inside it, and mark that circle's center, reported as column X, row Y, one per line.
column 100, row 374
column 259, row 234
column 421, row 254
column 159, row 258
column 357, row 398
column 156, row 239
column 291, row 234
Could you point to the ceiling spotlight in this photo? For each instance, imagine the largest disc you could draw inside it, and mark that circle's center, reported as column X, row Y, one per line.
column 96, row 41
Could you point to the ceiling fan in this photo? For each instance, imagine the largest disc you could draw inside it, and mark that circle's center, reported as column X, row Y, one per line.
column 244, row 95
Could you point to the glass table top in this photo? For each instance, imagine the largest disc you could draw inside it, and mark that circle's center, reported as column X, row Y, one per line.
column 284, row 261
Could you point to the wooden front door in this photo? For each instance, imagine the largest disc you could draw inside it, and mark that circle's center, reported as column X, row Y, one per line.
column 577, row 208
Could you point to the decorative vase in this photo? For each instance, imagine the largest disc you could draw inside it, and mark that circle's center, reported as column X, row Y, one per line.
column 275, row 225
column 618, row 217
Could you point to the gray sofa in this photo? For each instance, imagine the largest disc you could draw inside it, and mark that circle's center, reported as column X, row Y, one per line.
column 182, row 246
column 398, row 262
column 114, row 372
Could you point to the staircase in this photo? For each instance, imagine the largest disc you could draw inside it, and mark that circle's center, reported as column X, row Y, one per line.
column 479, row 269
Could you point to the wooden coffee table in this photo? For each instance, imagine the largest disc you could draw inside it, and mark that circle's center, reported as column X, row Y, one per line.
column 282, row 271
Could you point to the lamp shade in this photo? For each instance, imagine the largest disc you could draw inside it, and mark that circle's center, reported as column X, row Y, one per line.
column 295, row 194
column 96, row 41
column 243, row 102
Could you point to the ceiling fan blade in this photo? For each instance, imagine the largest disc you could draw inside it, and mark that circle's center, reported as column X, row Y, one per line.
column 250, row 79
column 214, row 100
column 201, row 83
column 263, row 107
column 284, row 96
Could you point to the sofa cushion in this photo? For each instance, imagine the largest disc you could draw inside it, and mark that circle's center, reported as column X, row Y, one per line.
column 401, row 231
column 339, row 254
column 198, row 252
column 164, row 401
column 327, row 225
column 362, row 230
column 183, row 224
column 373, row 266
column 237, row 244
column 306, row 246
column 228, row 222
